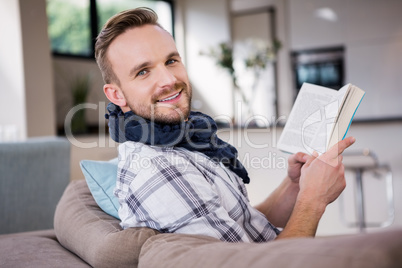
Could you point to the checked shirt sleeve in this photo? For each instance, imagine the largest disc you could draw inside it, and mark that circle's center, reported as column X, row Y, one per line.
column 174, row 198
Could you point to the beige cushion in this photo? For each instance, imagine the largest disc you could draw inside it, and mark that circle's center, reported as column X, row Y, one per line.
column 383, row 249
column 83, row 228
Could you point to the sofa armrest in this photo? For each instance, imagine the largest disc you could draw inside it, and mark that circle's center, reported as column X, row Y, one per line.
column 96, row 237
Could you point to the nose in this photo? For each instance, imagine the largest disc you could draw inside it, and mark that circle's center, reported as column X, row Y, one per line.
column 166, row 78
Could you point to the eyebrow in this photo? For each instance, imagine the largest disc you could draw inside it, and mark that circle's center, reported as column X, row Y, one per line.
column 173, row 54
column 140, row 66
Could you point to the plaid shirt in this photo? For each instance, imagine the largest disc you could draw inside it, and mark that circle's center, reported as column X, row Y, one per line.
column 174, row 190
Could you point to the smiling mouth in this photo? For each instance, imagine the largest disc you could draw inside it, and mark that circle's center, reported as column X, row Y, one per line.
column 171, row 97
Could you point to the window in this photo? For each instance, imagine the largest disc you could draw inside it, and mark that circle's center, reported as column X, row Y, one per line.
column 69, row 27
column 74, row 24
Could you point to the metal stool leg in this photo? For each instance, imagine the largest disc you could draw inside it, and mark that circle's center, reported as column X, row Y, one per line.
column 360, row 201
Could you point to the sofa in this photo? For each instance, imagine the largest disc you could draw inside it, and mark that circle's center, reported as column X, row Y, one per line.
column 33, row 175
column 84, row 235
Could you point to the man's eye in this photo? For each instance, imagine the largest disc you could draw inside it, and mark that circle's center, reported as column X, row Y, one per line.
column 171, row 61
column 143, row 72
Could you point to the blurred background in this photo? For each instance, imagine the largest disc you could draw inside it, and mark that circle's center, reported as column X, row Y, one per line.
column 47, row 68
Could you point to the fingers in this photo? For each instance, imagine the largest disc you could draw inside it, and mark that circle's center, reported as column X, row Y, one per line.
column 334, row 156
column 345, row 144
column 299, row 157
column 310, row 158
column 338, row 148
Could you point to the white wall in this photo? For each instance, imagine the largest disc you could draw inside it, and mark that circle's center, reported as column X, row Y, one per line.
column 284, row 84
column 206, row 24
column 25, row 69
column 12, row 90
column 39, row 90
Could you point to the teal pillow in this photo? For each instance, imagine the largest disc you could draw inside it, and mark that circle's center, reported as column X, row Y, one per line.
column 101, row 179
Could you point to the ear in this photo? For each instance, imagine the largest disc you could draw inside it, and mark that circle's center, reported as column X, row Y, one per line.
column 115, row 95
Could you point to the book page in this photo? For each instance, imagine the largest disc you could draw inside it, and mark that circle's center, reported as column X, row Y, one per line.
column 311, row 120
column 341, row 102
column 350, row 103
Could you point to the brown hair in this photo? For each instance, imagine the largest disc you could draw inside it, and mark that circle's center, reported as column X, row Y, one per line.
column 115, row 26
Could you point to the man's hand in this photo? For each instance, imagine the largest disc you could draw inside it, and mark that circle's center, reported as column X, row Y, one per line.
column 295, row 163
column 321, row 181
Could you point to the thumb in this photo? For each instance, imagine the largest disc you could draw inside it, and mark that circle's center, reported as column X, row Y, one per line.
column 310, row 158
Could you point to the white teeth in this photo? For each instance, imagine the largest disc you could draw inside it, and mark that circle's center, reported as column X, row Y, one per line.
column 171, row 98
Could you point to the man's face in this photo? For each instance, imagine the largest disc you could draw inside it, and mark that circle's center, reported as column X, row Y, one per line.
column 153, row 81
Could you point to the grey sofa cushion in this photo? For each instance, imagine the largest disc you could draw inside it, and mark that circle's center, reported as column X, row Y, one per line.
column 33, row 176
column 36, row 249
column 83, row 228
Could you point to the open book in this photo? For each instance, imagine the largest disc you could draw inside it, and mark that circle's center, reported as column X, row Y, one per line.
column 320, row 117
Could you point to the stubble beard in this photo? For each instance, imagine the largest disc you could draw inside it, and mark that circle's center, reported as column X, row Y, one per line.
column 155, row 112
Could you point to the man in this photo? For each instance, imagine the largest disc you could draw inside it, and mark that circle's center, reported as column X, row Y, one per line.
column 174, row 174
